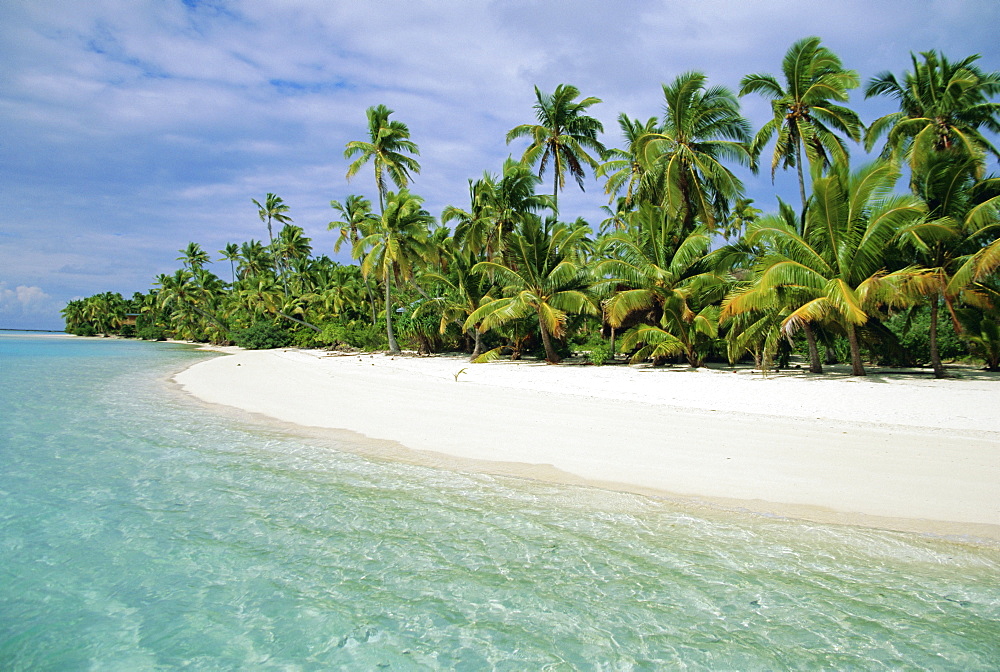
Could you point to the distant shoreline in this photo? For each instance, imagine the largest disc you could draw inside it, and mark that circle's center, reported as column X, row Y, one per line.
column 920, row 454
column 42, row 331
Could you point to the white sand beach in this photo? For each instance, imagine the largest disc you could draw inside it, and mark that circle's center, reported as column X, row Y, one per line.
column 894, row 451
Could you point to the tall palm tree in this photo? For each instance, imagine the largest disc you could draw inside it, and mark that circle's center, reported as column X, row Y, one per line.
column 701, row 127
column 563, row 135
column 231, row 253
column 272, row 210
column 541, row 277
column 942, row 107
column 387, row 147
column 806, row 116
column 835, row 268
column 395, row 247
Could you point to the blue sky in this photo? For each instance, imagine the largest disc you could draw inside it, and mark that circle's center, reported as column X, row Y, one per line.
column 129, row 128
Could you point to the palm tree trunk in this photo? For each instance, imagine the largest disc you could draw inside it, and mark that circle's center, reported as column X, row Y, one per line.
column 478, row 349
column 857, row 368
column 302, row 322
column 612, row 344
column 550, row 354
column 371, row 300
column 555, row 190
column 802, row 184
column 936, row 364
column 815, row 365
column 393, row 346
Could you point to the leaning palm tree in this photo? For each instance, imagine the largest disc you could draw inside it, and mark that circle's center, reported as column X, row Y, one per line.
column 387, row 147
column 834, row 270
column 701, row 127
column 806, row 116
column 395, row 247
column 563, row 135
column 192, row 296
column 541, row 278
column 942, row 108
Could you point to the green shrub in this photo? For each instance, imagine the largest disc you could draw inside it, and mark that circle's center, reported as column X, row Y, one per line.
column 600, row 353
column 598, row 350
column 306, row 338
column 151, row 332
column 913, row 329
column 355, row 334
column 261, row 336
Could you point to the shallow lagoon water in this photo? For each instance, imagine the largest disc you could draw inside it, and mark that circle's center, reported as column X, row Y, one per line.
column 142, row 531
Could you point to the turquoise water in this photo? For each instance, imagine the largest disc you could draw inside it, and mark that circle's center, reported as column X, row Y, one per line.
column 141, row 531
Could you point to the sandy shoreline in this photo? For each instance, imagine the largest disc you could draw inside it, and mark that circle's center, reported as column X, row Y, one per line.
column 891, row 451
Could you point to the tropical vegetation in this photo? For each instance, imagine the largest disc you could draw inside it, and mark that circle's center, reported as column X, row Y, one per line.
column 890, row 260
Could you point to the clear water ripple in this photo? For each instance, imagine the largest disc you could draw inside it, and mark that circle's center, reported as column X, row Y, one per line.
column 141, row 532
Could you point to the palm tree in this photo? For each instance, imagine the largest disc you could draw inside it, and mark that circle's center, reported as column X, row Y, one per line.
column 187, row 293
column 356, row 222
column 273, row 210
column 395, row 246
column 563, row 135
column 806, row 115
column 701, row 127
column 387, row 147
column 541, row 277
column 942, row 107
column 499, row 205
column 193, row 256
column 624, row 168
column 661, row 284
column 835, row 268
column 254, row 259
column 231, row 254
column 962, row 213
column 292, row 245
column 463, row 291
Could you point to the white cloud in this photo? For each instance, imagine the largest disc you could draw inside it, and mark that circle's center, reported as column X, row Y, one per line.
column 23, row 300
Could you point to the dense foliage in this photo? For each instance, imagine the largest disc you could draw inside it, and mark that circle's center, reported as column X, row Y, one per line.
column 682, row 268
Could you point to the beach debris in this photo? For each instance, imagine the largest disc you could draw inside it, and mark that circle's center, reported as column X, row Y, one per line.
column 460, row 372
